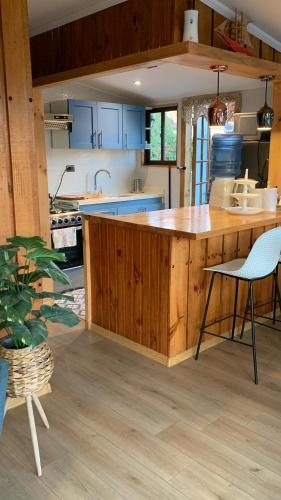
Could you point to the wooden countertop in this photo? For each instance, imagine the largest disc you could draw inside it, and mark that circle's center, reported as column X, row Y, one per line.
column 192, row 222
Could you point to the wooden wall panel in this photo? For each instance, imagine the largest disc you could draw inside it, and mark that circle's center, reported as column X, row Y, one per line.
column 41, row 165
column 123, row 29
column 112, row 277
column 216, row 40
column 23, row 181
column 256, row 46
column 7, row 226
column 129, row 281
column 20, row 116
column 94, row 273
column 230, row 243
column 120, row 273
column 165, row 287
column 146, row 250
column 196, row 289
column 151, row 288
column 214, row 257
column 205, row 22
column 267, row 52
column 274, row 171
column 178, row 306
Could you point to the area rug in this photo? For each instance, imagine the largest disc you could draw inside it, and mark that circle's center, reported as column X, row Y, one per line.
column 78, row 306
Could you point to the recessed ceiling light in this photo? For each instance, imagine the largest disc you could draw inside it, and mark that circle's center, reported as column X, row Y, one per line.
column 137, row 83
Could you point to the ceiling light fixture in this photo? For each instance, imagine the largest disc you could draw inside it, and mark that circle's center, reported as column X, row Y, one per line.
column 137, row 83
column 217, row 112
column 265, row 115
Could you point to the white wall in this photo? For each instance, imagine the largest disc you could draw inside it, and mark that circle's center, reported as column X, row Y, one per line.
column 253, row 100
column 123, row 165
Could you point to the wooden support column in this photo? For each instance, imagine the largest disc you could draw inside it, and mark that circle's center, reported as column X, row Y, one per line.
column 274, row 172
column 41, row 165
column 19, row 200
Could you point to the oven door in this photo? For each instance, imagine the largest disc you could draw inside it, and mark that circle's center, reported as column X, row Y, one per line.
column 73, row 255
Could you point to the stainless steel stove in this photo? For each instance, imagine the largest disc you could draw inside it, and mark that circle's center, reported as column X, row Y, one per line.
column 65, row 218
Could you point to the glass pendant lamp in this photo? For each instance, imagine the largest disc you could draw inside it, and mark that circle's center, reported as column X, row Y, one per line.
column 265, row 115
column 217, row 112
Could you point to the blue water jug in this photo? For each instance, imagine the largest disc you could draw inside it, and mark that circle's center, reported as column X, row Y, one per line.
column 226, row 155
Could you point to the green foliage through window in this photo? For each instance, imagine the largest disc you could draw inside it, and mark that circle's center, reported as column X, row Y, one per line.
column 162, row 136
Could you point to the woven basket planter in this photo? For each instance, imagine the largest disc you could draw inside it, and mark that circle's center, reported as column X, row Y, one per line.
column 29, row 369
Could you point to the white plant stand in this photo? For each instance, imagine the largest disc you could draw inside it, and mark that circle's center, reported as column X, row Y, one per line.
column 33, row 398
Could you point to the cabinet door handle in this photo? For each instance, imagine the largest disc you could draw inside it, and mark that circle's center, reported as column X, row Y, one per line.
column 100, row 139
column 126, row 140
column 94, row 139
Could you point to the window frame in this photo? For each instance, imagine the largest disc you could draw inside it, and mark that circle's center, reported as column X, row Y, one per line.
column 162, row 110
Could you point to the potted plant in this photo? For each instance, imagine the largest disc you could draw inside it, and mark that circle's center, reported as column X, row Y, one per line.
column 23, row 316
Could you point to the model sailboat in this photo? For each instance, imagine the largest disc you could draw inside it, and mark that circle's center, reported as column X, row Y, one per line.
column 234, row 34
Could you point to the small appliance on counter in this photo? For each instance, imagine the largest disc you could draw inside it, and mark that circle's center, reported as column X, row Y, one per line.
column 137, row 186
column 225, row 166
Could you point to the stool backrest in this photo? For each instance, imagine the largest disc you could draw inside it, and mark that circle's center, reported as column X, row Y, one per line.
column 264, row 256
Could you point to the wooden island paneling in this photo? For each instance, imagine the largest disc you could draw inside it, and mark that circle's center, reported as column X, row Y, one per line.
column 145, row 278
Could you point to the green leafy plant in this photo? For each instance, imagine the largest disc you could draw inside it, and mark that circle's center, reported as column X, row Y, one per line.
column 21, row 315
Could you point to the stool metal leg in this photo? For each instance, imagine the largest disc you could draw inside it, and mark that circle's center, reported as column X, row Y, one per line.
column 245, row 314
column 205, row 317
column 235, row 309
column 253, row 333
column 276, row 295
column 275, row 275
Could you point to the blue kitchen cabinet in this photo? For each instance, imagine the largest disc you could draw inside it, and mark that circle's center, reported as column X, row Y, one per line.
column 109, row 125
column 140, row 205
column 102, row 208
column 133, row 126
column 124, row 207
column 101, row 125
column 84, row 128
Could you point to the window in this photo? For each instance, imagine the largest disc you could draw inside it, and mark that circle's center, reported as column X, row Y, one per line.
column 161, row 135
column 201, row 161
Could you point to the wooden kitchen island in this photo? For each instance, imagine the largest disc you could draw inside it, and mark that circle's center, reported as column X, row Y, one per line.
column 145, row 283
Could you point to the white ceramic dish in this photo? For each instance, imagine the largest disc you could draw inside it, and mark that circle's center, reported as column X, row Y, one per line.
column 244, row 211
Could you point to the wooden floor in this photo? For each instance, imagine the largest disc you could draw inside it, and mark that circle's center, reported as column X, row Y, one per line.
column 123, row 426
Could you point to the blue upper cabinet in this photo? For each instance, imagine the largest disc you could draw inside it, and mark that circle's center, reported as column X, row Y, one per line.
column 105, row 125
column 109, row 125
column 133, row 126
column 84, row 128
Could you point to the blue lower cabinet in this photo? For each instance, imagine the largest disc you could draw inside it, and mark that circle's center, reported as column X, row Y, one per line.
column 135, row 206
column 124, row 207
column 102, row 208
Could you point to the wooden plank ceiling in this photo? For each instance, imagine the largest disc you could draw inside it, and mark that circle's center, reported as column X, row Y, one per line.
column 73, row 49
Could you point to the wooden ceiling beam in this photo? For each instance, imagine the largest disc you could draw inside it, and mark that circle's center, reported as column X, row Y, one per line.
column 190, row 54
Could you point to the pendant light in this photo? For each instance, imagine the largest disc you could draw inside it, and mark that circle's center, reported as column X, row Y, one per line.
column 265, row 115
column 217, row 112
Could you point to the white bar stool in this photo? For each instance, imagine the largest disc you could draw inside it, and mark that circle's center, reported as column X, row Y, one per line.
column 261, row 262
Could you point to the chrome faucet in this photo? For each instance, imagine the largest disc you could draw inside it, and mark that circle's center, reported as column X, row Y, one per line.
column 95, row 178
